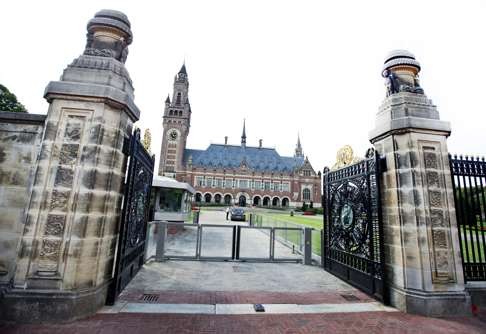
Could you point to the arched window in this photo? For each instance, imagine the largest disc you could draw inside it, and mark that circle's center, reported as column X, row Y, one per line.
column 180, row 112
column 198, row 198
column 217, row 198
column 227, row 199
column 178, row 99
column 170, row 113
column 306, row 194
column 207, row 198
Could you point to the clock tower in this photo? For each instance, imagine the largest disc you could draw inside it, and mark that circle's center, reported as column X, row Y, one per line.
column 176, row 123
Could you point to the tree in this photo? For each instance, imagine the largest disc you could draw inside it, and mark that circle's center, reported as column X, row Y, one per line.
column 8, row 101
column 147, row 139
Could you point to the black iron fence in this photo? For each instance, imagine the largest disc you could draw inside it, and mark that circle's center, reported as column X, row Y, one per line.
column 469, row 182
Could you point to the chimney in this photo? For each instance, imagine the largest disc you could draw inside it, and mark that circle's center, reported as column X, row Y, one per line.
column 226, row 140
column 260, row 141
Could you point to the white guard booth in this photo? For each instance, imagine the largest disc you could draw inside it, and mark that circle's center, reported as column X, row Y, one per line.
column 172, row 199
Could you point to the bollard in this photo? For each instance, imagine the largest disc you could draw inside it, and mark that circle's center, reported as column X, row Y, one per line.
column 308, row 246
column 161, row 237
column 195, row 217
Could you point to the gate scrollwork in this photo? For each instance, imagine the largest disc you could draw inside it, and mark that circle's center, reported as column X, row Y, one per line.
column 353, row 231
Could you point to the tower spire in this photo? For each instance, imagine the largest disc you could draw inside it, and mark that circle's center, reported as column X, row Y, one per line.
column 298, row 148
column 183, row 69
column 243, row 136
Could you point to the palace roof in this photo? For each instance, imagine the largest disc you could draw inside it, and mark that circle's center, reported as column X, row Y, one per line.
column 260, row 159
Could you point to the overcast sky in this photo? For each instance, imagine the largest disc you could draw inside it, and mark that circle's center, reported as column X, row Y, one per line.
column 286, row 66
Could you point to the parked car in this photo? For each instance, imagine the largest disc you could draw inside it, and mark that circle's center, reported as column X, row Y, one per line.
column 238, row 214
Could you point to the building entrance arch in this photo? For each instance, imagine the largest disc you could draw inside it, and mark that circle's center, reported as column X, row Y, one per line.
column 242, row 200
column 266, row 201
column 256, row 200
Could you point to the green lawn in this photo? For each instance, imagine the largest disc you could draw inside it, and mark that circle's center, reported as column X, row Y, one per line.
column 294, row 237
column 473, row 248
column 301, row 220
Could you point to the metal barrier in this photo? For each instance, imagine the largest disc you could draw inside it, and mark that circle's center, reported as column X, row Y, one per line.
column 208, row 242
column 469, row 186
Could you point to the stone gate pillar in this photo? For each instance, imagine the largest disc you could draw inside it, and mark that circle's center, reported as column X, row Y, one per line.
column 422, row 253
column 65, row 260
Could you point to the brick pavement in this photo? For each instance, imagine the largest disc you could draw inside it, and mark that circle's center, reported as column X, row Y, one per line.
column 247, row 297
column 365, row 322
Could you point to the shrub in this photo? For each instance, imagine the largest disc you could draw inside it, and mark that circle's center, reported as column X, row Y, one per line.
column 8, row 101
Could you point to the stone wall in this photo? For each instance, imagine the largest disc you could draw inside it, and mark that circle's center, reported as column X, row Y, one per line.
column 20, row 138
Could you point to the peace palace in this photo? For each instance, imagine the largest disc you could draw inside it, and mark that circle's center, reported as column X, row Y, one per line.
column 233, row 174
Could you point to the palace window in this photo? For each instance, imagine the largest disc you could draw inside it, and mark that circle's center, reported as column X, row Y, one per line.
column 306, row 194
column 178, row 99
column 276, row 187
column 209, row 182
column 258, row 185
column 286, row 186
column 200, row 181
column 267, row 185
column 307, row 173
column 243, row 184
column 233, row 184
column 219, row 183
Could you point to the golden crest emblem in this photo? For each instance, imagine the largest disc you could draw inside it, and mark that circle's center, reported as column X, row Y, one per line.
column 345, row 157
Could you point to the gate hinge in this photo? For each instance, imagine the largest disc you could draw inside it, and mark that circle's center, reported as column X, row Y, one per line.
column 126, row 146
column 382, row 162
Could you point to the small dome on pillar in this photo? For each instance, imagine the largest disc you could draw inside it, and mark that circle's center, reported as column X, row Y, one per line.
column 109, row 35
column 401, row 59
column 108, row 18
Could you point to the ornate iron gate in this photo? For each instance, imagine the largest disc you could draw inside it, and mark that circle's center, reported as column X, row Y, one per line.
column 131, row 241
column 353, row 236
column 469, row 182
